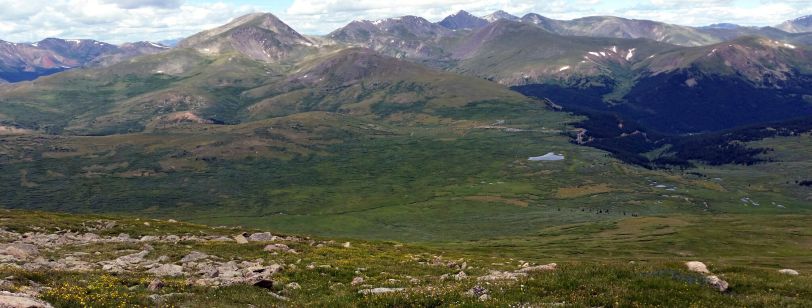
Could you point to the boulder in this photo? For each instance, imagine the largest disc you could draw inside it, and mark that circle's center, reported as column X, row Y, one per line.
column 18, row 300
column 346, row 245
column 277, row 247
column 164, row 270
column 132, row 258
column 717, row 283
column 477, row 291
column 540, row 268
column 461, row 276
column 498, row 275
column 357, row 281
column 790, row 272
column 240, row 239
column 293, row 286
column 263, row 237
column 155, row 285
column 20, row 250
column 696, row 266
column 149, row 238
column 194, row 256
column 380, row 291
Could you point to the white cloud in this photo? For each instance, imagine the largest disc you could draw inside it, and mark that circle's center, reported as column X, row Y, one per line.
column 110, row 21
column 119, row 21
column 136, row 4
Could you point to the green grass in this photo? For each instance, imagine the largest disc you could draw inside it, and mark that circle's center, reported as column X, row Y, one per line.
column 598, row 278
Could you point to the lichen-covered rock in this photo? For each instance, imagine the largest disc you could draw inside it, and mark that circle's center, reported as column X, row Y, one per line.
column 790, row 272
column 20, row 250
column 263, row 237
column 18, row 300
column 167, row 270
column 696, row 266
column 194, row 256
column 540, row 268
column 717, row 283
column 499, row 275
column 380, row 291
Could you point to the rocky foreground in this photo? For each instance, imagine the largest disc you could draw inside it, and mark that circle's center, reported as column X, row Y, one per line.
column 67, row 261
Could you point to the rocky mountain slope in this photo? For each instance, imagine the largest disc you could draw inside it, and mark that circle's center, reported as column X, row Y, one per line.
column 608, row 26
column 463, row 20
column 798, row 25
column 403, row 37
column 515, row 53
column 257, row 36
column 247, row 78
column 499, row 15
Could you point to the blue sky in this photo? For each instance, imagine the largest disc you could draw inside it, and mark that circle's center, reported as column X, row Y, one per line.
column 120, row 21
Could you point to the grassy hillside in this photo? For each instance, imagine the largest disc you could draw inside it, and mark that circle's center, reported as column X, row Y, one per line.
column 459, row 175
column 325, row 272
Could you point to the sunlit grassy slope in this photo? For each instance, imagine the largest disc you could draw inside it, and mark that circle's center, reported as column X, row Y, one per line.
column 611, row 264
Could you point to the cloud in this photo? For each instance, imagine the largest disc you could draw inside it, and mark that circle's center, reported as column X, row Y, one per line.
column 137, row 4
column 118, row 21
column 111, row 21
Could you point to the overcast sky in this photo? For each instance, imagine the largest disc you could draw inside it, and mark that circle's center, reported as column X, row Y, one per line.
column 118, row 21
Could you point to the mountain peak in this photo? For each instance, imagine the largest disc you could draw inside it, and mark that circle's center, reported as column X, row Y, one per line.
column 260, row 36
column 463, row 20
column 726, row 26
column 804, row 18
column 461, row 13
column 500, row 14
column 798, row 25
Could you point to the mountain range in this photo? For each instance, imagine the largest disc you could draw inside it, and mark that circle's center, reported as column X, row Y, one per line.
column 21, row 62
column 615, row 58
column 401, row 162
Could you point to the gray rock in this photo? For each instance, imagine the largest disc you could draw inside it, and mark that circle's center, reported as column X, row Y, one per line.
column 194, row 256
column 5, row 284
column 790, row 272
column 18, row 300
column 380, row 291
column 132, row 258
column 8, row 259
column 240, row 239
column 540, row 268
column 477, row 291
column 263, row 237
column 149, row 238
column 461, row 276
column 293, row 286
column 277, row 248
column 498, row 275
column 696, row 266
column 717, row 283
column 20, row 250
column 155, row 285
column 164, row 270
column 357, row 281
